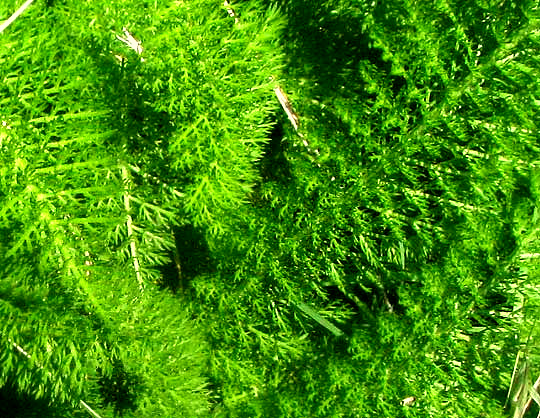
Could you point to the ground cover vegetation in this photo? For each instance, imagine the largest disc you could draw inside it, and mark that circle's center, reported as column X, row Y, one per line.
column 172, row 245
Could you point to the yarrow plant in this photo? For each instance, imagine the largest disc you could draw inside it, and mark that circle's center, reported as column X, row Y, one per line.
column 264, row 208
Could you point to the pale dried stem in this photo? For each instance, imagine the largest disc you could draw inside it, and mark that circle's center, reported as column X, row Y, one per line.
column 25, row 353
column 287, row 107
column 90, row 410
column 535, row 388
column 20, row 349
column 131, row 41
column 529, row 255
column 231, row 11
column 15, row 15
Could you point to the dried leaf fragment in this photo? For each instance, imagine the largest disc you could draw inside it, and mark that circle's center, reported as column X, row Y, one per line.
column 408, row 401
column 131, row 41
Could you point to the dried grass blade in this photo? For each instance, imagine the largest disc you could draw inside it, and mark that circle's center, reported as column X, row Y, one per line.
column 313, row 314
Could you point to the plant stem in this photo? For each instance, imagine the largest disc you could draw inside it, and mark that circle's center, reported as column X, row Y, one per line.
column 15, row 15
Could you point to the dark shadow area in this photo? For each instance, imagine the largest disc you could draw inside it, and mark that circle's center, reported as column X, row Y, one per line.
column 326, row 46
column 193, row 251
column 190, row 258
column 14, row 404
column 120, row 389
column 367, row 300
column 171, row 276
column 274, row 165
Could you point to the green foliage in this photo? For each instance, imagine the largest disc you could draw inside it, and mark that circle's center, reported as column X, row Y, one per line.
column 170, row 246
column 398, row 214
column 86, row 224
